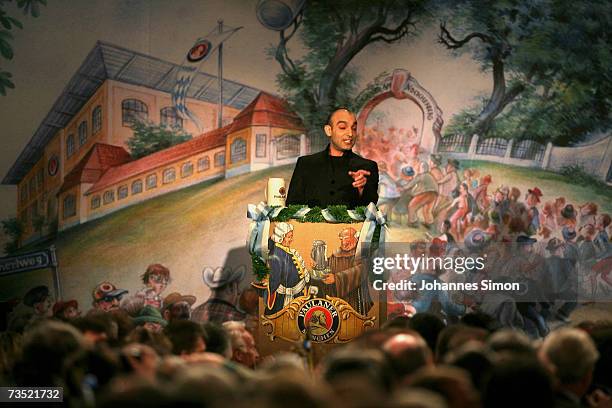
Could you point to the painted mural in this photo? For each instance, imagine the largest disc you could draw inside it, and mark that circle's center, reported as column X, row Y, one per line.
column 138, row 164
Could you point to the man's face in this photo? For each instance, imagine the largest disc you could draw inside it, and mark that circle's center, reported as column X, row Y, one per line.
column 342, row 131
column 178, row 311
column 152, row 327
column 288, row 239
column 108, row 303
column 249, row 356
column 348, row 241
column 43, row 308
column 71, row 313
column 532, row 200
column 158, row 283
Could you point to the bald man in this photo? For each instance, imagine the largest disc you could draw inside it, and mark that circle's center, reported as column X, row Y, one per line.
column 335, row 176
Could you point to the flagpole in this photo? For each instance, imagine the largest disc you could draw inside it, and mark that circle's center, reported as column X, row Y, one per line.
column 220, row 75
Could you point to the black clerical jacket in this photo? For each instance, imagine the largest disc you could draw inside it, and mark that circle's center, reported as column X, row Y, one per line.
column 322, row 180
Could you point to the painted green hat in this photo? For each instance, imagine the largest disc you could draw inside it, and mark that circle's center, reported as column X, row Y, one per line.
column 149, row 314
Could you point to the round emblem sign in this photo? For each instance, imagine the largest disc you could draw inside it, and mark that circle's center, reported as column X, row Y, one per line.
column 53, row 165
column 320, row 318
column 282, row 191
column 199, row 51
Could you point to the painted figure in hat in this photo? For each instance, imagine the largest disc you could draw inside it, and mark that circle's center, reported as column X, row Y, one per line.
column 177, row 307
column 602, row 240
column 587, row 214
column 481, row 195
column 288, row 273
column 151, row 319
column 66, row 311
column 107, row 297
column 388, row 192
column 449, row 182
column 562, row 277
column 533, row 200
column 155, row 279
column 221, row 307
column 40, row 300
column 423, row 191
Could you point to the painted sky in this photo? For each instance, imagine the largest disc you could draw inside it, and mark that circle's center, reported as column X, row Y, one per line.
column 50, row 48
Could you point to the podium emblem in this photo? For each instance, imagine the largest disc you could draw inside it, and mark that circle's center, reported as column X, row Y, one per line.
column 320, row 317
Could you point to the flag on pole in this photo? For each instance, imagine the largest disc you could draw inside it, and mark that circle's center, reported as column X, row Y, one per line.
column 201, row 50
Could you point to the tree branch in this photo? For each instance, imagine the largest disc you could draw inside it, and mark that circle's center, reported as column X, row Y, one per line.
column 390, row 35
column 282, row 55
column 452, row 43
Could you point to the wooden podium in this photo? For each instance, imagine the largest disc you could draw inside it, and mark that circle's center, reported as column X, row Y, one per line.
column 312, row 276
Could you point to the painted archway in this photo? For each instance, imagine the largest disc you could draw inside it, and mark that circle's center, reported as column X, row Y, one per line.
column 400, row 85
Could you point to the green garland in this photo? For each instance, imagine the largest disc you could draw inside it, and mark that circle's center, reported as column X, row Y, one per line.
column 339, row 212
column 260, row 269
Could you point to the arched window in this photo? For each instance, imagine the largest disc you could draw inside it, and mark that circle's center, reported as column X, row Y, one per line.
column 69, row 145
column 95, row 202
column 151, row 181
column 137, row 187
column 203, row 163
column 82, row 133
column 219, row 159
column 96, row 119
column 122, row 192
column 238, row 150
column 69, row 206
column 133, row 110
column 108, row 197
column 169, row 175
column 170, row 118
column 187, row 169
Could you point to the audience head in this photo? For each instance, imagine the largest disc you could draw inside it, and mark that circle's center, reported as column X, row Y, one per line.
column 244, row 350
column 187, row 337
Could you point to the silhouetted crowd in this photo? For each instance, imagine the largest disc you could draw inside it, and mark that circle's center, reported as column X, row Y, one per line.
column 110, row 360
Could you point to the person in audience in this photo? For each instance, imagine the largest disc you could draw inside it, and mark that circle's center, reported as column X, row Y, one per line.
column 221, row 306
column 244, row 350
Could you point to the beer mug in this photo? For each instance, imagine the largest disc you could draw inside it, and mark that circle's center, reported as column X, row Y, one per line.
column 275, row 192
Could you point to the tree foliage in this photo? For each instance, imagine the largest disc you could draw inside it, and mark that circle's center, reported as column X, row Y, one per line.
column 551, row 65
column 7, row 24
column 12, row 228
column 149, row 138
column 333, row 33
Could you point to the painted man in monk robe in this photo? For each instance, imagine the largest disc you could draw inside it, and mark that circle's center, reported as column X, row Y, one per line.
column 288, row 274
column 347, row 278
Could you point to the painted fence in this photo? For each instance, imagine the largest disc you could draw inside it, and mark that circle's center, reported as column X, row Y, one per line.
column 595, row 158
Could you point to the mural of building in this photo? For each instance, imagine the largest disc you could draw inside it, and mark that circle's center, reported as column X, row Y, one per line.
column 76, row 166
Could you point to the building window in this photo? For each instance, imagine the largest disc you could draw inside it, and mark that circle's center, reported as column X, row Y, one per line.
column 137, row 187
column 95, row 202
column 24, row 192
column 122, row 192
column 51, row 208
column 219, row 159
column 32, row 185
column 108, row 197
column 69, row 206
column 96, row 119
column 151, row 181
column 40, row 178
column 34, row 210
column 169, row 175
column 69, row 145
column 287, row 146
column 187, row 169
column 203, row 163
column 238, row 150
column 132, row 111
column 260, row 145
column 170, row 118
column 82, row 133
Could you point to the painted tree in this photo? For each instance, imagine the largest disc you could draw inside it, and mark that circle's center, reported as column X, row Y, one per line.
column 550, row 64
column 333, row 33
column 8, row 23
column 149, row 138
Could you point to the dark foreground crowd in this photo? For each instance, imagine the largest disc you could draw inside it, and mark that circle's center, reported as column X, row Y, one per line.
column 106, row 360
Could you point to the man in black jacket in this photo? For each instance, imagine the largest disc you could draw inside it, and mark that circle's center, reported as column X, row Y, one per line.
column 336, row 175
